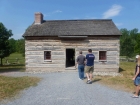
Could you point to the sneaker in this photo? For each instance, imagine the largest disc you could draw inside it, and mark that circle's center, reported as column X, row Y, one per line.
column 134, row 96
column 80, row 79
column 89, row 82
column 83, row 78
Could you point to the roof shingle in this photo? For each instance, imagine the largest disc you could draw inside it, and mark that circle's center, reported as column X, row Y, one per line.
column 73, row 27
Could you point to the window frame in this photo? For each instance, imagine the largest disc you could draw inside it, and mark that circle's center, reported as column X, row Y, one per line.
column 105, row 56
column 48, row 60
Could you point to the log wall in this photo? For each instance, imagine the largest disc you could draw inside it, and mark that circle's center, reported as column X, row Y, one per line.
column 34, row 52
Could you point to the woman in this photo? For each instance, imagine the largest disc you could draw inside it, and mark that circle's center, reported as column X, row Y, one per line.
column 136, row 78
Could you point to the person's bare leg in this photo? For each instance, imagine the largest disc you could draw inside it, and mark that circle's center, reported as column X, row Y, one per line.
column 87, row 76
column 91, row 76
column 137, row 91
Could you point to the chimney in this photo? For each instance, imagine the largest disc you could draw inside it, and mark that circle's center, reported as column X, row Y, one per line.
column 38, row 18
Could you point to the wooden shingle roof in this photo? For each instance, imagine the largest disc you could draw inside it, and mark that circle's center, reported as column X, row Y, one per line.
column 73, row 27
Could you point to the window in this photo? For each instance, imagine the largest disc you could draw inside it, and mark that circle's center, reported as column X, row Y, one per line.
column 102, row 55
column 47, row 55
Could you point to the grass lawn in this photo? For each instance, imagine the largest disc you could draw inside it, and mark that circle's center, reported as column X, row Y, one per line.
column 10, row 86
column 16, row 62
column 123, row 82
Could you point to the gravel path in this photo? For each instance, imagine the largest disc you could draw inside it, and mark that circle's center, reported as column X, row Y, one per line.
column 64, row 88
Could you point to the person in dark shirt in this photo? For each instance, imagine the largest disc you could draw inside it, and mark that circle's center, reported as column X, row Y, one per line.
column 81, row 65
column 136, row 78
column 89, row 68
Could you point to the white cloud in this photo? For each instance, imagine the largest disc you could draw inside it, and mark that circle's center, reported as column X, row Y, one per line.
column 118, row 24
column 57, row 11
column 51, row 13
column 113, row 11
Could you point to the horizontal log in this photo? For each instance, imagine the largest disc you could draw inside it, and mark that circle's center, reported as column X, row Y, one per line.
column 34, row 57
column 44, row 69
column 48, row 40
column 105, row 66
column 99, row 49
column 86, row 52
column 112, row 53
column 102, row 44
column 45, row 61
column 34, row 52
column 42, row 52
column 111, row 58
column 55, row 57
column 46, row 65
column 33, row 48
column 58, row 53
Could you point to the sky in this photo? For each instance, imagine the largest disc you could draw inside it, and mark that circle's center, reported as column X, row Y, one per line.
column 17, row 15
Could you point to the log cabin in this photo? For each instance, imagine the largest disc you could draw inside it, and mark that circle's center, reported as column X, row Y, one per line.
column 53, row 45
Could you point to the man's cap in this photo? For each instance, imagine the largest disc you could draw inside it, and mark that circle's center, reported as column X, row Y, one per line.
column 137, row 56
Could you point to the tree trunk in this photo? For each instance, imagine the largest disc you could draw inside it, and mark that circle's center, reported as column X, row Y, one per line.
column 1, row 62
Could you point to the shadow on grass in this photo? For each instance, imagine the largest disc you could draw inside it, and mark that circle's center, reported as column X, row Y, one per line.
column 12, row 68
column 121, row 70
column 96, row 80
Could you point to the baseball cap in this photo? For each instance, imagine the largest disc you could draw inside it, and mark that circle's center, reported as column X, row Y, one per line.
column 137, row 56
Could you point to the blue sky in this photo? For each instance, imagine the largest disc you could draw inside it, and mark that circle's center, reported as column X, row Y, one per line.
column 17, row 15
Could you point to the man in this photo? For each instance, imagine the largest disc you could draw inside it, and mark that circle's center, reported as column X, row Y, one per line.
column 89, row 68
column 80, row 61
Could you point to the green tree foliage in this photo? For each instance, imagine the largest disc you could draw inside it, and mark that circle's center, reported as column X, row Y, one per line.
column 128, row 40
column 20, row 46
column 128, row 47
column 137, row 46
column 17, row 45
column 4, row 43
column 12, row 43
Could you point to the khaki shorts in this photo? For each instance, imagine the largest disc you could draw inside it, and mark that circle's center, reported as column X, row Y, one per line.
column 89, row 69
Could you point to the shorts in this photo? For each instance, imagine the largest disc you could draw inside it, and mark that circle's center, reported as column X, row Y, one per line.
column 137, row 81
column 89, row 69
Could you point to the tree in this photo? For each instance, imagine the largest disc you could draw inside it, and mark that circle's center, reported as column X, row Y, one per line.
column 125, row 34
column 137, row 46
column 134, row 33
column 128, row 41
column 12, row 43
column 20, row 46
column 4, row 43
column 128, row 47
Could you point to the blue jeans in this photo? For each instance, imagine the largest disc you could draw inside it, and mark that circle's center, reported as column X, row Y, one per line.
column 81, row 71
column 137, row 81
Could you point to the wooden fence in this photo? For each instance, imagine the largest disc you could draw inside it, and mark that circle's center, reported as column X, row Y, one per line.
column 128, row 59
column 12, row 61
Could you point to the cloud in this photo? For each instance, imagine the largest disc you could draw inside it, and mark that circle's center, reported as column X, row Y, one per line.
column 57, row 11
column 51, row 13
column 118, row 24
column 113, row 11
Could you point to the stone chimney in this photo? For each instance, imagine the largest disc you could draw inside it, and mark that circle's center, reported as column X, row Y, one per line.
column 38, row 18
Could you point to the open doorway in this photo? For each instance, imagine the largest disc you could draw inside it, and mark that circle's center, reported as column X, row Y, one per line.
column 70, row 58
